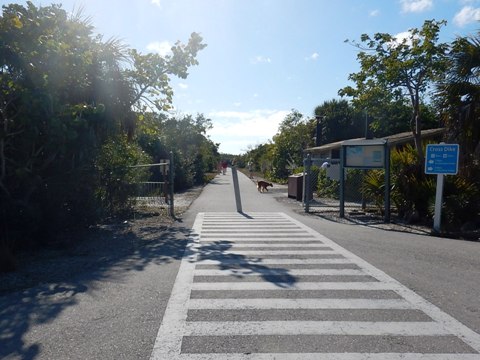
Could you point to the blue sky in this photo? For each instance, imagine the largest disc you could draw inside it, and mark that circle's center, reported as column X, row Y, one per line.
column 264, row 57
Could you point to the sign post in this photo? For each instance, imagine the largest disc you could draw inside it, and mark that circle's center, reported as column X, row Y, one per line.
column 441, row 159
column 365, row 154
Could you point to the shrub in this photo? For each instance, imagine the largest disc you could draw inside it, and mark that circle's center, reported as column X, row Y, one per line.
column 373, row 187
column 411, row 191
column 421, row 191
column 461, row 202
column 327, row 187
column 403, row 169
column 117, row 176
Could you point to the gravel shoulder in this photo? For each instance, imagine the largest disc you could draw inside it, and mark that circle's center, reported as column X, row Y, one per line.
column 100, row 243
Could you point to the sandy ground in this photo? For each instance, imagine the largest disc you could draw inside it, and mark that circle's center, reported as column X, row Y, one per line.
column 84, row 252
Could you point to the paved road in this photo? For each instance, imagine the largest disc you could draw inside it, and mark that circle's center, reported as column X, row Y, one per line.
column 261, row 284
column 115, row 311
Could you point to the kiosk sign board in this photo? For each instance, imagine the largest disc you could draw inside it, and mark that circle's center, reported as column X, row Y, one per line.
column 441, row 159
column 364, row 154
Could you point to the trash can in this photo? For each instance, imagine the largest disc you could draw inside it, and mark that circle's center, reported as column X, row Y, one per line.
column 295, row 186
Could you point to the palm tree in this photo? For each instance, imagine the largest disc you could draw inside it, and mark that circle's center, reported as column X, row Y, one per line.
column 459, row 96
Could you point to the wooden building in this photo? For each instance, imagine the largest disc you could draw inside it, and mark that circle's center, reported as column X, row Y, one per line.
column 332, row 150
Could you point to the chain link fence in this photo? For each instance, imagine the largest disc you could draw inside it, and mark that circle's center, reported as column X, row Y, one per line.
column 322, row 187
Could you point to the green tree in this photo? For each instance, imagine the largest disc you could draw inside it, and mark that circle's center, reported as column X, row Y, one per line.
column 260, row 157
column 150, row 74
column 339, row 121
column 64, row 94
column 195, row 153
column 459, row 100
column 117, row 176
column 44, row 142
column 406, row 67
column 294, row 135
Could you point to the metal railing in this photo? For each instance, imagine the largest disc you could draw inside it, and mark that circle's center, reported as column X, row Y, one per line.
column 158, row 192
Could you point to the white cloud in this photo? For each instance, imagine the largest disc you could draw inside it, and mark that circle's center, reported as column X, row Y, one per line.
column 183, row 86
column 402, row 37
column 374, row 13
column 313, row 57
column 416, row 6
column 157, row 3
column 237, row 130
column 162, row 48
column 260, row 59
column 466, row 16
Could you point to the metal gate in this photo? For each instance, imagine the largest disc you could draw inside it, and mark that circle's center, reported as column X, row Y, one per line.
column 158, row 191
column 321, row 182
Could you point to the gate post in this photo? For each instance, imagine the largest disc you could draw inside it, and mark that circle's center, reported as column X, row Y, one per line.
column 307, row 164
column 171, row 190
column 387, row 183
column 342, row 182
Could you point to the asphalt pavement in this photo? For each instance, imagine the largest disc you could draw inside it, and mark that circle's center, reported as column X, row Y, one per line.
column 266, row 283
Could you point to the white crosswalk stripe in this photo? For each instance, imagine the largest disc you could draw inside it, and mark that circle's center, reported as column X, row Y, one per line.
column 264, row 286
column 298, row 304
column 217, row 328
column 298, row 286
column 257, row 272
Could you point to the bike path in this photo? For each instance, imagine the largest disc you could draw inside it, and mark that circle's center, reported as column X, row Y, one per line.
column 262, row 285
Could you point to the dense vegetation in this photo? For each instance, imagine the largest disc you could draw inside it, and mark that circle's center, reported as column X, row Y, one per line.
column 407, row 84
column 76, row 112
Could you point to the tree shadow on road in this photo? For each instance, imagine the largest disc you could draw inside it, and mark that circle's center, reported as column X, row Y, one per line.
column 47, row 282
column 243, row 267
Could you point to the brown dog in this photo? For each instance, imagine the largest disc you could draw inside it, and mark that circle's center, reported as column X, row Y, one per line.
column 263, row 185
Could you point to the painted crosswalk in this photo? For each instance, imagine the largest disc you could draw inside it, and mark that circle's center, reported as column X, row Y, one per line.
column 265, row 286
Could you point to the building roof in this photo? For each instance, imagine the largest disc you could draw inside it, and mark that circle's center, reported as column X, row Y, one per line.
column 392, row 140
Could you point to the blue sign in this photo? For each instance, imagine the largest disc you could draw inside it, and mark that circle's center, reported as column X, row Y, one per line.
column 442, row 159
